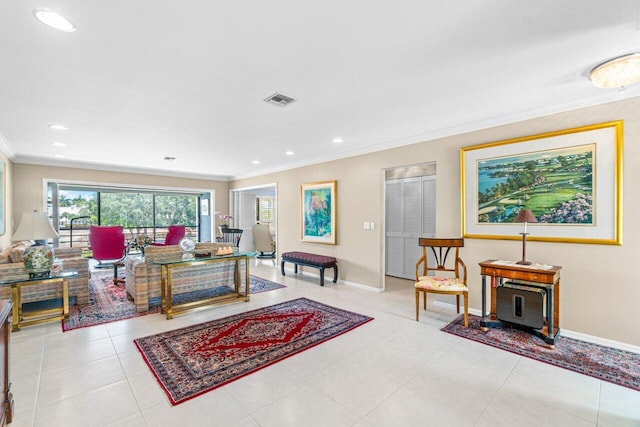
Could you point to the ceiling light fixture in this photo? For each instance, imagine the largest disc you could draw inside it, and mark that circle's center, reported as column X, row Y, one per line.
column 289, row 153
column 58, row 144
column 54, row 20
column 337, row 140
column 255, row 162
column 617, row 72
column 58, row 126
column 169, row 158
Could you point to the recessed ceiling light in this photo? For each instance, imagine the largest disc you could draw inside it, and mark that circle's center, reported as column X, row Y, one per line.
column 337, row 140
column 54, row 20
column 255, row 162
column 58, row 126
column 169, row 158
column 58, row 156
column 289, row 153
column 58, row 144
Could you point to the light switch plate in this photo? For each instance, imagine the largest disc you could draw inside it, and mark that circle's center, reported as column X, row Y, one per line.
column 366, row 225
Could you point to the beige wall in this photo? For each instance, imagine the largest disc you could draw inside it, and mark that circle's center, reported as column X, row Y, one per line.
column 598, row 295
column 5, row 239
column 28, row 188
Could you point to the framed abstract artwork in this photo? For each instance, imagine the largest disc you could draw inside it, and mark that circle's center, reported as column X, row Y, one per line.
column 318, row 210
column 570, row 179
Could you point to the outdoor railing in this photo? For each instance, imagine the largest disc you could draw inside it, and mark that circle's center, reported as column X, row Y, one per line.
column 78, row 236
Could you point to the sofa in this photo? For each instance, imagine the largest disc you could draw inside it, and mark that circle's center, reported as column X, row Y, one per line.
column 11, row 267
column 143, row 281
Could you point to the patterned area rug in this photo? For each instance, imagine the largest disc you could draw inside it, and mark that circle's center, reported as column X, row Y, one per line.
column 191, row 361
column 109, row 302
column 605, row 363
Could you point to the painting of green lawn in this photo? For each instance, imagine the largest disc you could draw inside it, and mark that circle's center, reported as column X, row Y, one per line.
column 556, row 185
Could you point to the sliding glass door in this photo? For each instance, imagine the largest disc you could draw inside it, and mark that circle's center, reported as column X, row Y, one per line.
column 145, row 214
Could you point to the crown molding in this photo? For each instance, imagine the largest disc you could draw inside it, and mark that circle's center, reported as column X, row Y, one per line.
column 6, row 148
column 33, row 160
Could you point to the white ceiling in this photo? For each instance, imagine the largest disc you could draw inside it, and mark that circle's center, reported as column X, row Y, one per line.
column 144, row 79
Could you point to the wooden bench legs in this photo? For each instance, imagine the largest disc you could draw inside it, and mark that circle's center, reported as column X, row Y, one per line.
column 320, row 267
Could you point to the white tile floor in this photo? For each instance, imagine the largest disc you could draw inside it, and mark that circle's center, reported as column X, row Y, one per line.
column 392, row 371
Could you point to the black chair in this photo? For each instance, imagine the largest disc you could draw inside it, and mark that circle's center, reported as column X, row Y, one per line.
column 230, row 235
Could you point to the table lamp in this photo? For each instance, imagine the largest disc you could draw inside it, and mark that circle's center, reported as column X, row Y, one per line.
column 525, row 215
column 39, row 257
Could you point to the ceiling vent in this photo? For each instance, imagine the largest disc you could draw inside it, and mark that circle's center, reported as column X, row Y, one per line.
column 279, row 100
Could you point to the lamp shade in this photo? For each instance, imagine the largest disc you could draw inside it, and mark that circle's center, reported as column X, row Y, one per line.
column 525, row 215
column 34, row 226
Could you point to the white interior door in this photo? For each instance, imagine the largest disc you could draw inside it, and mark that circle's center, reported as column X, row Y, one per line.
column 246, row 219
column 410, row 214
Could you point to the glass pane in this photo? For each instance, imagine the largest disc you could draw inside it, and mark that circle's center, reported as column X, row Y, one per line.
column 176, row 209
column 77, row 211
column 132, row 211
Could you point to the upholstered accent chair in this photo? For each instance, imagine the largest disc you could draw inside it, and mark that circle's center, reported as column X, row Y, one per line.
column 445, row 277
column 175, row 233
column 109, row 247
column 263, row 241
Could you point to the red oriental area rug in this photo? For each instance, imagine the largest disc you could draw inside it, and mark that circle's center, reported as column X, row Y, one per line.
column 191, row 361
column 109, row 302
column 605, row 363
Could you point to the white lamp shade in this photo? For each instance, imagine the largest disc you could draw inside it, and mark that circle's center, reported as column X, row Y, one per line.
column 34, row 226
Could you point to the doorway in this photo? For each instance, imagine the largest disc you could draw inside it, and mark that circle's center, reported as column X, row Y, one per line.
column 251, row 206
column 410, row 213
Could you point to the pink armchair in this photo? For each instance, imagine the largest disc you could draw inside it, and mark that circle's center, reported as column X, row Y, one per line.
column 175, row 233
column 109, row 247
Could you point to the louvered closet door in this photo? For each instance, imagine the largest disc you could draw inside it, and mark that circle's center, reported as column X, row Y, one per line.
column 410, row 214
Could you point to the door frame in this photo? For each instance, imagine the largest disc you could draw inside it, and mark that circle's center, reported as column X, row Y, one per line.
column 427, row 168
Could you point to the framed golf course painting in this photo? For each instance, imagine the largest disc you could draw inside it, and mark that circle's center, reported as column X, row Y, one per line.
column 570, row 179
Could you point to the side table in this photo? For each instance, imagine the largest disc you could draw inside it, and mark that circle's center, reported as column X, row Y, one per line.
column 18, row 319
column 547, row 278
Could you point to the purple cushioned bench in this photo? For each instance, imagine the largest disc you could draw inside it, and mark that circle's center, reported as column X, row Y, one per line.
column 311, row 260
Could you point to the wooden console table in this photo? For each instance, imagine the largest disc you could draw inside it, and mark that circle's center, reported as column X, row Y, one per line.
column 547, row 278
column 6, row 404
column 166, row 272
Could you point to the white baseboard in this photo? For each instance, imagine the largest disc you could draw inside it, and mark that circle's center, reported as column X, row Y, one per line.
column 329, row 279
column 361, row 286
column 565, row 332
column 602, row 341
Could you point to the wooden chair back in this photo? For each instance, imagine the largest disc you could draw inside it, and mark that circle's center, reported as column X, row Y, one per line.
column 441, row 249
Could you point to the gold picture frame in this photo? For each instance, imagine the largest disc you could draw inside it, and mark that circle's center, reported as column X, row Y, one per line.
column 318, row 212
column 571, row 179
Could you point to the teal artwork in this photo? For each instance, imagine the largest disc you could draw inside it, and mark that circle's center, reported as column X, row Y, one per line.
column 317, row 221
column 318, row 212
